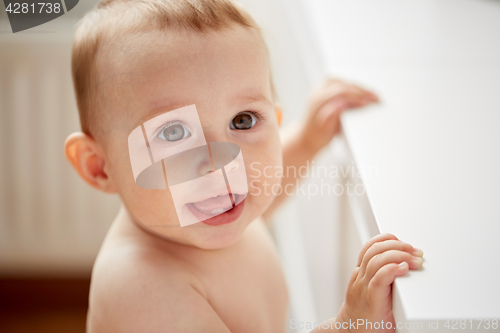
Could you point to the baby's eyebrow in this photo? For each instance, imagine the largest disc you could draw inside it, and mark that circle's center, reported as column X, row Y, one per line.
column 159, row 111
column 251, row 97
column 244, row 97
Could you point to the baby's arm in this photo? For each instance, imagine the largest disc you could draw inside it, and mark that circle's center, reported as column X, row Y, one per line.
column 302, row 141
column 369, row 292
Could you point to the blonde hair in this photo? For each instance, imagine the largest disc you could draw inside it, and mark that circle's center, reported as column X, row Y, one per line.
column 113, row 19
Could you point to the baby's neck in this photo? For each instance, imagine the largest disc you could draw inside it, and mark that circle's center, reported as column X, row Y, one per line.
column 124, row 228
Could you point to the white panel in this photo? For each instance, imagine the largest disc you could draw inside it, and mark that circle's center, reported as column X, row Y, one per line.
column 434, row 139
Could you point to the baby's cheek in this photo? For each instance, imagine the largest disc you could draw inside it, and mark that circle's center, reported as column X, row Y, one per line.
column 264, row 181
column 152, row 208
column 263, row 166
column 147, row 206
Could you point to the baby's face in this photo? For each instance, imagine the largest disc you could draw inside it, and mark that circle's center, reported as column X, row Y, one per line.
column 225, row 77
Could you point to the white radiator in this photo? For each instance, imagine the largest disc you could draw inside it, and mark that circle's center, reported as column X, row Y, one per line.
column 51, row 222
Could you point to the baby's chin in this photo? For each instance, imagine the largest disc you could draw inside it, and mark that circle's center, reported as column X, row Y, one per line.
column 215, row 233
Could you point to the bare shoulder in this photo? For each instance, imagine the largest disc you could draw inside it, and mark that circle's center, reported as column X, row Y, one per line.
column 136, row 289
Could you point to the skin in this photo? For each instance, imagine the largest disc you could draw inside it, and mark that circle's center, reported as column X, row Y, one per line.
column 152, row 275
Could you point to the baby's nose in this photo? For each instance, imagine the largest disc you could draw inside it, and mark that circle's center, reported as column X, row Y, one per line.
column 205, row 167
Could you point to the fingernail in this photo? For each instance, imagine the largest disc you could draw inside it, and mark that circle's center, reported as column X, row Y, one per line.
column 417, row 261
column 418, row 252
column 402, row 266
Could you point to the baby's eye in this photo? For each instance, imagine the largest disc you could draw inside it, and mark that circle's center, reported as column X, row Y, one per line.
column 243, row 121
column 173, row 133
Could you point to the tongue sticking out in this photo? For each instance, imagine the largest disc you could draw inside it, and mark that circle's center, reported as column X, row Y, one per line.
column 212, row 206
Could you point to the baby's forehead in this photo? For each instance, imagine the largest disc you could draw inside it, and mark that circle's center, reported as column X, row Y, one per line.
column 134, row 50
column 148, row 70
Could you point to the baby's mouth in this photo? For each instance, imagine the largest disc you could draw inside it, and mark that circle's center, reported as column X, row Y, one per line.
column 213, row 206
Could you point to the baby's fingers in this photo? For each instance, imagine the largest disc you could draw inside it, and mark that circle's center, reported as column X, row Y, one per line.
column 369, row 95
column 391, row 244
column 378, row 238
column 388, row 257
column 346, row 86
column 377, row 287
column 356, row 97
column 363, row 94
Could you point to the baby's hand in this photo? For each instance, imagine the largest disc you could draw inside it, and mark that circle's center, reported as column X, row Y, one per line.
column 326, row 103
column 369, row 293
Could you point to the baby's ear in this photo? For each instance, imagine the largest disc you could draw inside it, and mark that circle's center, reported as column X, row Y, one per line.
column 278, row 112
column 87, row 158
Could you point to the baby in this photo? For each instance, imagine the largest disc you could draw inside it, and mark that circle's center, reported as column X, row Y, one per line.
column 157, row 77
